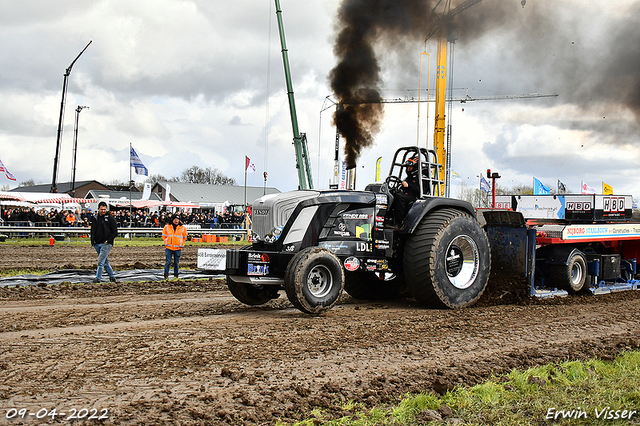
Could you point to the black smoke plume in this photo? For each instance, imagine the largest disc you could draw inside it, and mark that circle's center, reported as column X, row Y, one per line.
column 356, row 79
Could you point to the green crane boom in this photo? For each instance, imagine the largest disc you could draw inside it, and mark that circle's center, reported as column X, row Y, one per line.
column 299, row 139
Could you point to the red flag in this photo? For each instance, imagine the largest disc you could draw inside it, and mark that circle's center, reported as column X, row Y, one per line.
column 249, row 167
column 7, row 173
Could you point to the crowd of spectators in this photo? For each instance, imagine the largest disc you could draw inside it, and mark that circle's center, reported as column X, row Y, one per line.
column 26, row 216
column 139, row 218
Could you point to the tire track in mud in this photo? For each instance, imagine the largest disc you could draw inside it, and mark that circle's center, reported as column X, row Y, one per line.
column 61, row 256
column 219, row 362
column 186, row 352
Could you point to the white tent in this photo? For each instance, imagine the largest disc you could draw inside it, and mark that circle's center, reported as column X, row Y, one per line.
column 15, row 203
column 4, row 195
column 32, row 197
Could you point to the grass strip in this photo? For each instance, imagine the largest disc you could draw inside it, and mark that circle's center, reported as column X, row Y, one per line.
column 12, row 272
column 593, row 392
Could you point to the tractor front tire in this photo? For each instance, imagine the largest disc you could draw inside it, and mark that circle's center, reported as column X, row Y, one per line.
column 447, row 260
column 313, row 280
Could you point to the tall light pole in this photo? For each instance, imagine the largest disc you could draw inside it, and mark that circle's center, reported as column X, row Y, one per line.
column 54, row 184
column 75, row 149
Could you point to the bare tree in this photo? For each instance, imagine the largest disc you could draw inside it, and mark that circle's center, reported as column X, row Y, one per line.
column 475, row 196
column 478, row 198
column 153, row 179
column 521, row 189
column 29, row 182
column 195, row 174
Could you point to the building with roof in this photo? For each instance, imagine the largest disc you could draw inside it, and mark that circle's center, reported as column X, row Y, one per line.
column 207, row 195
column 180, row 195
column 135, row 195
column 81, row 188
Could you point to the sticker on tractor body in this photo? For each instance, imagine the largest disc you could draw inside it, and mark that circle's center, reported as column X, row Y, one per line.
column 351, row 263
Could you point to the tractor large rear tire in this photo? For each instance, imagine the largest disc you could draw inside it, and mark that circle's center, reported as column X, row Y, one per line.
column 251, row 294
column 364, row 285
column 313, row 280
column 447, row 260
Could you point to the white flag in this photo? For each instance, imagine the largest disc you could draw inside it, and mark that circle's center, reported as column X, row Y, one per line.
column 586, row 189
column 166, row 194
column 6, row 171
column 147, row 191
column 251, row 168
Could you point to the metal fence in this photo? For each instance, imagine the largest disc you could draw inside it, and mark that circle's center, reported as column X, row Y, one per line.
column 27, row 231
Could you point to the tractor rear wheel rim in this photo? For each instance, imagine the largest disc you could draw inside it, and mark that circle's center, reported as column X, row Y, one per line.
column 462, row 261
column 319, row 281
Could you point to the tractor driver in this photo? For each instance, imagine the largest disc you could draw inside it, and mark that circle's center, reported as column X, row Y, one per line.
column 408, row 193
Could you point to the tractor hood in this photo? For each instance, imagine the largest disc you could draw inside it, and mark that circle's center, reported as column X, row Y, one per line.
column 270, row 213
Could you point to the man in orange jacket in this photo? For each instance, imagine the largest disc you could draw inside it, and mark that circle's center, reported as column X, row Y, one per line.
column 174, row 235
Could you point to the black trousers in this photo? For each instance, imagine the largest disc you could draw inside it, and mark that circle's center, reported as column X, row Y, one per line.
column 400, row 206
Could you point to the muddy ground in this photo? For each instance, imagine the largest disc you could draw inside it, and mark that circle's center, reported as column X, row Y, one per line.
column 186, row 352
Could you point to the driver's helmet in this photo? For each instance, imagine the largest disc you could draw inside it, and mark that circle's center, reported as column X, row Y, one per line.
column 412, row 165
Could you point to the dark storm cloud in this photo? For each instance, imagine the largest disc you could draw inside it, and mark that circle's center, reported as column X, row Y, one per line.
column 584, row 56
column 619, row 77
column 592, row 61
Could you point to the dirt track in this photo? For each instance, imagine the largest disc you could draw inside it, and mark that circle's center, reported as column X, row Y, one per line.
column 188, row 353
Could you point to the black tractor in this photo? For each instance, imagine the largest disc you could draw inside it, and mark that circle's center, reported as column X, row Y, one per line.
column 315, row 243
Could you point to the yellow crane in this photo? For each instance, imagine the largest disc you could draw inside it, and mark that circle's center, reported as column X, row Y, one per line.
column 442, row 25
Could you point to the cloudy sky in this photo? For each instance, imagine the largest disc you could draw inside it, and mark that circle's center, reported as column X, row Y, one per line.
column 200, row 82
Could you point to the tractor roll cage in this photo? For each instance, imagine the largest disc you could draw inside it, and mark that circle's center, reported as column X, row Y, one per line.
column 428, row 169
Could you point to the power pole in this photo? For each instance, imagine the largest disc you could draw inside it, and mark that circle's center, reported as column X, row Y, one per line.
column 54, row 184
column 75, row 150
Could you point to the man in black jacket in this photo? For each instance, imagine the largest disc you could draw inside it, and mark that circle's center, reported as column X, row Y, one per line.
column 103, row 232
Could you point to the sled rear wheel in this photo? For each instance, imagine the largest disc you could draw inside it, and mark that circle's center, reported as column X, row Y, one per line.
column 571, row 275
